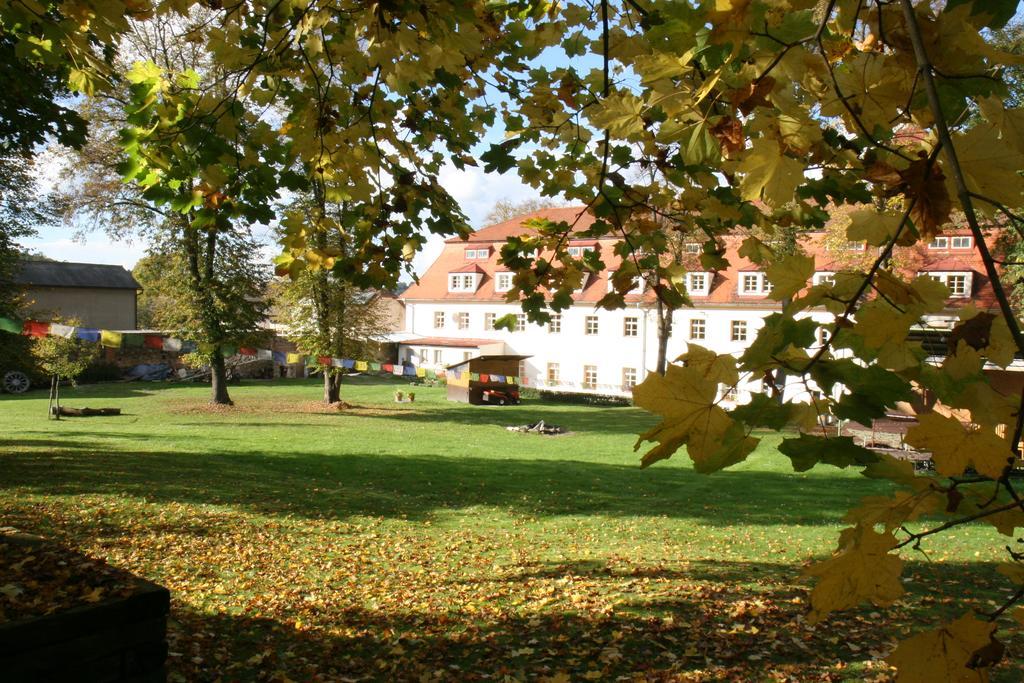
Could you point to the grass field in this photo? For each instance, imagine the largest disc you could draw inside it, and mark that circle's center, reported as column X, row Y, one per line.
column 425, row 542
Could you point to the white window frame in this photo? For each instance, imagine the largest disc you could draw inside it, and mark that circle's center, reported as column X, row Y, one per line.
column 692, row 289
column 439, row 320
column 939, row 242
column 692, row 247
column 824, row 277
column 520, row 325
column 761, row 284
column 589, row 370
column 629, row 377
column 461, row 320
column 555, row 324
column 553, row 373
column 489, row 319
column 587, row 324
column 477, row 254
column 578, row 251
column 856, row 246
column 438, row 356
column 503, row 281
column 692, row 331
column 965, row 242
column 945, row 276
column 738, row 330
column 635, row 332
column 463, row 282
column 638, row 284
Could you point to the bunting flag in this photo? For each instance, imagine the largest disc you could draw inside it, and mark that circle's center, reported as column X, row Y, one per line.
column 115, row 339
column 110, row 339
column 34, row 329
column 11, row 325
column 88, row 334
column 65, row 331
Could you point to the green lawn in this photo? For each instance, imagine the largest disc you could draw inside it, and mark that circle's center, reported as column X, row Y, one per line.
column 425, row 542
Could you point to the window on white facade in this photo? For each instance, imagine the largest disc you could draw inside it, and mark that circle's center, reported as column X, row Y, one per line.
column 522, row 370
column 502, row 282
column 555, row 325
column 576, row 252
column 939, row 243
column 959, row 284
column 520, row 322
column 692, row 247
column 477, row 253
column 590, row 325
column 553, row 373
column 462, row 282
column 438, row 319
column 462, row 321
column 489, row 320
column 589, row 376
column 631, row 327
column 856, row 246
column 698, row 329
column 729, row 393
column 438, row 353
column 961, row 242
column 466, row 355
column 754, row 283
column 628, row 378
column 738, row 330
column 698, row 284
column 823, row 335
column 825, row 277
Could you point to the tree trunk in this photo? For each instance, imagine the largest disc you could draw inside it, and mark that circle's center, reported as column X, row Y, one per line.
column 332, row 386
column 664, row 332
column 219, row 379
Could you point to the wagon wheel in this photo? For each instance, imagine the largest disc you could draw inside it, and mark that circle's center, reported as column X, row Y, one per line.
column 16, row 382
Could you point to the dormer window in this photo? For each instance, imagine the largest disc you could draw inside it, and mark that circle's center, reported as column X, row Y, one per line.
column 939, row 243
column 502, row 282
column 477, row 254
column 960, row 284
column 855, row 246
column 698, row 284
column 637, row 288
column 961, row 242
column 753, row 284
column 692, row 247
column 463, row 282
column 577, row 252
column 825, row 277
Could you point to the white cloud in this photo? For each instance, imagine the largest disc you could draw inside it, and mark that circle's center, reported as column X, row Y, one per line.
column 96, row 250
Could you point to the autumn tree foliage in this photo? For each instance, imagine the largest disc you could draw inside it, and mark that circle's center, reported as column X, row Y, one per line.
column 759, row 115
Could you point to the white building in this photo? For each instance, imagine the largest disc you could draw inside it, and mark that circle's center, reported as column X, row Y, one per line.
column 450, row 313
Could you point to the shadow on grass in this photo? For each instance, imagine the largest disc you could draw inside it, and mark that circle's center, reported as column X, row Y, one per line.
column 720, row 632
column 333, row 486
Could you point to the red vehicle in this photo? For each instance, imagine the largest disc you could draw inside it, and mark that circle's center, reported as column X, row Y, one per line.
column 501, row 397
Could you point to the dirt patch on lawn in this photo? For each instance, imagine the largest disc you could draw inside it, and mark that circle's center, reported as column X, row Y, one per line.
column 269, row 406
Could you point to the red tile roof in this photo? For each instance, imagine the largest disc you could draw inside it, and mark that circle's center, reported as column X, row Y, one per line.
column 449, row 341
column 433, row 285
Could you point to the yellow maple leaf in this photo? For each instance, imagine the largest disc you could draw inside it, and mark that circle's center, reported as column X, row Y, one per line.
column 874, row 227
column 990, row 166
column 789, row 275
column 685, row 398
column 955, row 447
column 862, row 570
column 904, row 506
column 720, row 368
column 769, row 174
column 943, row 655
